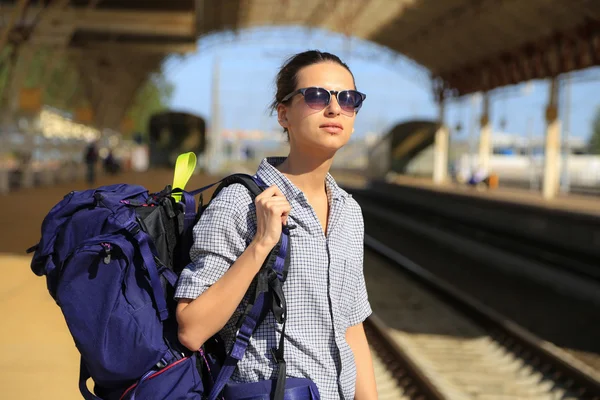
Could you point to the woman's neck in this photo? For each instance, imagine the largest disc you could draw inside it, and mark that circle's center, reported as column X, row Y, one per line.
column 307, row 173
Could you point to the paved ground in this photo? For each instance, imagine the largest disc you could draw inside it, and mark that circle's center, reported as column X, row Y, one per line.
column 39, row 357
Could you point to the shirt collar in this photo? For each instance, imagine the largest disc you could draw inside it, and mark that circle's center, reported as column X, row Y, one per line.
column 270, row 175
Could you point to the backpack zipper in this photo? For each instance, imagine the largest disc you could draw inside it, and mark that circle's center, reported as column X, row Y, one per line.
column 107, row 252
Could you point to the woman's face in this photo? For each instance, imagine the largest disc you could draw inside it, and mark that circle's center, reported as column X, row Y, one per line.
column 312, row 130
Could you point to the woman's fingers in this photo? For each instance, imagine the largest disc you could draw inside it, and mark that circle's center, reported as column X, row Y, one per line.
column 270, row 192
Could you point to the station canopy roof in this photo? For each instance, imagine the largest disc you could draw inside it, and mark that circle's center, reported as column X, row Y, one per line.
column 115, row 44
column 471, row 45
column 467, row 45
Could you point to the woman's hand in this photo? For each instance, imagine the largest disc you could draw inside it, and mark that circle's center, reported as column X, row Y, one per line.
column 272, row 210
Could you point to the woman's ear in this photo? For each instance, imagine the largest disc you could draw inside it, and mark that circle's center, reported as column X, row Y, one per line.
column 282, row 116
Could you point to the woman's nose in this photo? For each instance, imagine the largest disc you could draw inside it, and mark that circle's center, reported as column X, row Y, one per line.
column 334, row 107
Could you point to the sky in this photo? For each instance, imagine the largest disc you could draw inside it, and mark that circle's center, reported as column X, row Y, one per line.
column 397, row 89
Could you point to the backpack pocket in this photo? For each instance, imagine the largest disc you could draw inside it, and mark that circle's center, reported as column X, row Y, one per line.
column 295, row 389
column 106, row 303
column 177, row 381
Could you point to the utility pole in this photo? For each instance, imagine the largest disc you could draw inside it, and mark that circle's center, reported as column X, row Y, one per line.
column 533, row 179
column 213, row 159
column 472, row 137
column 565, row 181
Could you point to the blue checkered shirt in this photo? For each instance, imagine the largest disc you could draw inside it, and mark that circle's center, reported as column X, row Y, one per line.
column 325, row 287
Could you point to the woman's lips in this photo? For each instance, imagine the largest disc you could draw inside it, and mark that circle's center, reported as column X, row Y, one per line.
column 332, row 128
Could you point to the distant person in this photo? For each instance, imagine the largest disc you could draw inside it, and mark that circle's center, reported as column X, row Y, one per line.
column 316, row 102
column 249, row 153
column 91, row 158
column 111, row 165
column 479, row 177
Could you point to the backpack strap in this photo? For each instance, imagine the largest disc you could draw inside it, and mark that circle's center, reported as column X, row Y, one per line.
column 187, row 198
column 184, row 168
column 144, row 243
column 268, row 296
column 84, row 375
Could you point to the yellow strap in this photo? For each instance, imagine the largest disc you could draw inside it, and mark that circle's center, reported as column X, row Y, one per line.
column 184, row 168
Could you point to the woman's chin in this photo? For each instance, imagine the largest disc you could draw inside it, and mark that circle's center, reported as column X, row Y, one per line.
column 329, row 145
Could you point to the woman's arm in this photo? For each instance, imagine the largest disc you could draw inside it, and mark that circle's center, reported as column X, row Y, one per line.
column 366, row 388
column 201, row 318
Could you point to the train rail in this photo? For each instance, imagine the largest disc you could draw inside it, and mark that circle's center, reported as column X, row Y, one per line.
column 459, row 348
column 397, row 376
column 558, row 303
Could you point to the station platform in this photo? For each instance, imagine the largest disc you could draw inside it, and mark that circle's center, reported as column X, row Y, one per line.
column 576, row 203
column 565, row 202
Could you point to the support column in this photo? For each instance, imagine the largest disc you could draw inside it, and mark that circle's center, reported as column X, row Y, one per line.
column 552, row 152
column 440, row 149
column 214, row 146
column 485, row 136
column 565, row 185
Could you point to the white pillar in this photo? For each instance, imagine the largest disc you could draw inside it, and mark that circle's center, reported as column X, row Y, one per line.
column 552, row 152
column 566, row 127
column 440, row 149
column 214, row 148
column 485, row 136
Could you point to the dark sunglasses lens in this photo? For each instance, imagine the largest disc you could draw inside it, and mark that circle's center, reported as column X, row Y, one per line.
column 350, row 100
column 316, row 98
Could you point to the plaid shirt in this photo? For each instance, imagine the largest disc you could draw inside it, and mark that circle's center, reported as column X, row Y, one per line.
column 325, row 287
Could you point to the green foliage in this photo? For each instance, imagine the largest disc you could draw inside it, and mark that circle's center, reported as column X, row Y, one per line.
column 63, row 90
column 594, row 143
column 153, row 96
column 4, row 61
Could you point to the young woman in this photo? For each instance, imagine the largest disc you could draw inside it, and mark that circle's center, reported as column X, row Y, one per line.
column 316, row 104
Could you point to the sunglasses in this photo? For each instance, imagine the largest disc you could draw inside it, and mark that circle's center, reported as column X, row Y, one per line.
column 317, row 98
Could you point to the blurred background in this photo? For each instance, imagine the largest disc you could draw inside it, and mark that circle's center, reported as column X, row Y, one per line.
column 158, row 78
column 476, row 154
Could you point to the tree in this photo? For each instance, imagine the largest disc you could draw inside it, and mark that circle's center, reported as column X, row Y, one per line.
column 594, row 143
column 62, row 88
column 153, row 96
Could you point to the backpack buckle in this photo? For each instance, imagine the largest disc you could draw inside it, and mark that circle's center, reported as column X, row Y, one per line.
column 241, row 335
column 276, row 355
column 133, row 227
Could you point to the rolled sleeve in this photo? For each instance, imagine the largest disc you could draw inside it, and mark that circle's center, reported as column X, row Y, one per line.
column 362, row 307
column 220, row 237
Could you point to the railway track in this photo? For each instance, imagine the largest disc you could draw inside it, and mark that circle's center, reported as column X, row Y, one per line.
column 397, row 376
column 449, row 345
column 560, row 305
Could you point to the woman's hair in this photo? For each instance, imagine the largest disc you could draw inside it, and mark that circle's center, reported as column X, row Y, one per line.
column 287, row 78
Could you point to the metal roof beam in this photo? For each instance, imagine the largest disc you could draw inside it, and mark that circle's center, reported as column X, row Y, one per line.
column 152, row 23
column 153, row 48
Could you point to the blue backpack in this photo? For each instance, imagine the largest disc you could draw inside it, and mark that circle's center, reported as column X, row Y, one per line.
column 111, row 257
